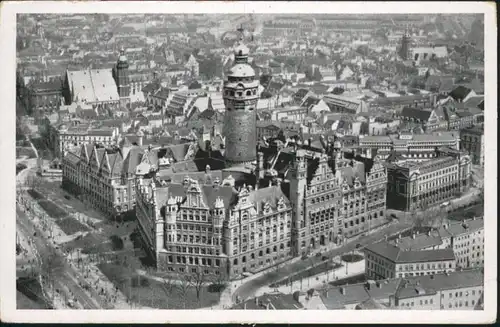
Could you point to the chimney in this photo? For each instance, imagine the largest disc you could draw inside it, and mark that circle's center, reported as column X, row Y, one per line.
column 429, row 233
column 413, row 236
column 257, row 301
column 342, row 290
column 399, row 236
column 379, row 284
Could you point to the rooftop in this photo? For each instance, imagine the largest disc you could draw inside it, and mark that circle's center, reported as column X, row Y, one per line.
column 397, row 255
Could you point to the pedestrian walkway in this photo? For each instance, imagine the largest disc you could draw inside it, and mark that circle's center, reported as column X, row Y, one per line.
column 318, row 281
column 104, row 286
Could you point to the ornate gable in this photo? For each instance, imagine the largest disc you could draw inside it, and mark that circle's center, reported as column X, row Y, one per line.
column 357, row 183
column 345, row 186
column 266, row 208
column 84, row 154
column 281, row 203
column 105, row 166
column 94, row 161
column 195, row 195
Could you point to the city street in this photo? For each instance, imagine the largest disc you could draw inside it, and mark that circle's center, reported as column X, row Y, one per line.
column 249, row 287
column 63, row 274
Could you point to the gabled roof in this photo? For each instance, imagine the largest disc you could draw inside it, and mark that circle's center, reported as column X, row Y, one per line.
column 416, row 113
column 421, row 241
column 460, row 92
column 270, row 302
column 396, row 255
column 93, row 85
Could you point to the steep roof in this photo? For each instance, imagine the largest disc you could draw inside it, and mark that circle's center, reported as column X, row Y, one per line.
column 430, row 284
column 209, row 193
column 460, row 92
column 270, row 302
column 415, row 113
column 421, row 241
column 395, row 254
column 93, row 85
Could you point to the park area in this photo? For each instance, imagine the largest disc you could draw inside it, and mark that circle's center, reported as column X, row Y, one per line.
column 356, row 279
column 309, row 272
column 350, row 258
column 158, row 293
column 25, row 151
column 69, row 225
column 468, row 212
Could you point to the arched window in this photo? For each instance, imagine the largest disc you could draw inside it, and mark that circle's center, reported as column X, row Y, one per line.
column 235, row 262
column 375, row 215
column 275, row 248
column 282, row 246
column 249, row 92
column 244, row 259
column 268, row 251
column 260, row 253
column 252, row 256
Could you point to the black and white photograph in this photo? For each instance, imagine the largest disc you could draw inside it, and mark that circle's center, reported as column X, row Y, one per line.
column 249, row 157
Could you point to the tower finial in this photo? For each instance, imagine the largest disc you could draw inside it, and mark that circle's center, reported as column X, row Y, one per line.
column 241, row 29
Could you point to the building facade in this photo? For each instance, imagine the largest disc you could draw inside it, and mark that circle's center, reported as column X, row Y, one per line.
column 460, row 290
column 466, row 238
column 45, row 97
column 385, row 260
column 472, row 141
column 103, row 177
column 67, row 137
column 417, row 185
column 411, row 147
column 214, row 229
column 334, row 199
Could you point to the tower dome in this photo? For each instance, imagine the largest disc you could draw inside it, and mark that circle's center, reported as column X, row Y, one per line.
column 122, row 57
column 240, row 95
column 241, row 53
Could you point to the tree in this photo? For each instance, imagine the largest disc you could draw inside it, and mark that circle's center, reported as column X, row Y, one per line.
column 33, row 182
column 337, row 90
column 198, row 280
column 182, row 287
column 168, row 286
column 317, row 75
column 48, row 265
column 219, row 281
column 427, row 217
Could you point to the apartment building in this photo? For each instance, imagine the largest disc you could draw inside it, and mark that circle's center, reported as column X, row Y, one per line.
column 335, row 198
column 466, row 238
column 409, row 146
column 472, row 141
column 459, row 290
column 102, row 177
column 71, row 136
column 385, row 260
column 416, row 185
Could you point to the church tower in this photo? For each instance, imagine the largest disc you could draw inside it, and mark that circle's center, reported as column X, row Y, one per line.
column 240, row 93
column 122, row 78
column 404, row 51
